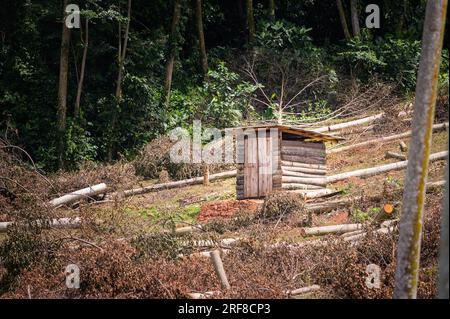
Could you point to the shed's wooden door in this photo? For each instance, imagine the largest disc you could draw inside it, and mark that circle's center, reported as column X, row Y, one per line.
column 258, row 180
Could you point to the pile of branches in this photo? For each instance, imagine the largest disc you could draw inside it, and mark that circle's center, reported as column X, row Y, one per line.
column 154, row 160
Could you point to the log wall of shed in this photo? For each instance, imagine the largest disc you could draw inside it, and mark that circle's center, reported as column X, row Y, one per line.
column 303, row 164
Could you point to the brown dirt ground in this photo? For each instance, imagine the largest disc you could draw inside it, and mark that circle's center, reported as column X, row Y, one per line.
column 226, row 209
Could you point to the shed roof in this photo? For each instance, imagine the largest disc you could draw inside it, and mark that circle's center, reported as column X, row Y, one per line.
column 310, row 134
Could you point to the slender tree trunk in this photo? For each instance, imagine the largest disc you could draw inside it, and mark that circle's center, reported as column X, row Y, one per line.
column 272, row 9
column 250, row 22
column 121, row 55
column 201, row 38
column 171, row 58
column 355, row 18
column 83, row 67
column 62, row 88
column 343, row 20
column 408, row 254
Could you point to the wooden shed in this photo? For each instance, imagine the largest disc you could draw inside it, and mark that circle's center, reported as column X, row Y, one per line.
column 274, row 157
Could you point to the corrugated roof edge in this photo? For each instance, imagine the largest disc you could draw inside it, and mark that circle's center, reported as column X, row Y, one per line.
column 293, row 130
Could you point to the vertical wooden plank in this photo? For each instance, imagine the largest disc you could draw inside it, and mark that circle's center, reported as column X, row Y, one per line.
column 262, row 163
column 246, row 170
column 270, row 170
column 251, row 167
column 253, row 160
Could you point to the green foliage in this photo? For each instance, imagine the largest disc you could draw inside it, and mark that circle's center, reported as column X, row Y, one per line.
column 443, row 74
column 220, row 102
column 395, row 60
column 290, row 42
column 79, row 145
column 360, row 216
column 281, row 35
column 297, row 40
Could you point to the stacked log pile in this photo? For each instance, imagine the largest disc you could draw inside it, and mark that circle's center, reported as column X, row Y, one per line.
column 303, row 165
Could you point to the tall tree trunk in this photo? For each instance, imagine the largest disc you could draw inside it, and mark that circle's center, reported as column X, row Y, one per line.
column 201, row 38
column 408, row 254
column 355, row 18
column 121, row 55
column 250, row 22
column 343, row 20
column 62, row 87
column 272, row 9
column 83, row 67
column 171, row 58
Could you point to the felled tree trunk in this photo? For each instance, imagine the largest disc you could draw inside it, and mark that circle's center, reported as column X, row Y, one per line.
column 78, row 195
column 436, row 128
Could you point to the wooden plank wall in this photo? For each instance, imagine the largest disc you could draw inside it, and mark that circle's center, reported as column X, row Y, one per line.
column 259, row 178
column 240, row 153
column 300, row 166
column 303, row 165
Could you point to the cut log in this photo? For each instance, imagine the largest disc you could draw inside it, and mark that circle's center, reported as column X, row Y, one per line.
column 352, row 233
column 331, row 205
column 205, row 295
column 54, row 223
column 433, row 185
column 388, row 208
column 79, row 194
column 187, row 230
column 358, row 130
column 309, row 145
column 301, row 154
column 286, row 172
column 403, row 146
column 302, row 291
column 304, row 170
column 395, row 155
column 340, row 126
column 297, row 151
column 436, row 128
column 313, row 194
column 291, row 186
column 304, row 159
column 333, row 229
column 381, row 169
column 218, row 267
column 206, row 175
column 304, row 165
column 358, row 237
column 318, row 181
column 177, row 184
column 346, row 202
